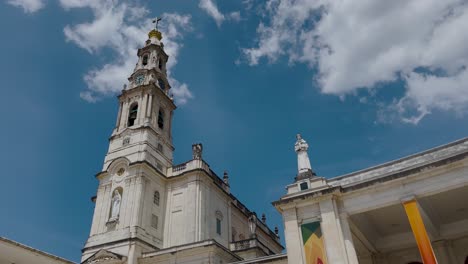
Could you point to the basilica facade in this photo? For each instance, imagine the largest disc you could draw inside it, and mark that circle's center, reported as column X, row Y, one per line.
column 149, row 210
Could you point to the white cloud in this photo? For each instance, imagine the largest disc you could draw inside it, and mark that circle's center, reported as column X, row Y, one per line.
column 122, row 27
column 356, row 44
column 235, row 16
column 29, row 6
column 210, row 7
column 212, row 10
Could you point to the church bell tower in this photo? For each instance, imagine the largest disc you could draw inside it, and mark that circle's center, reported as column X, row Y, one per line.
column 130, row 201
column 143, row 128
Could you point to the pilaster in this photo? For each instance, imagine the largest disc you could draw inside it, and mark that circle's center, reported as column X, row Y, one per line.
column 140, row 183
column 348, row 239
column 292, row 236
column 336, row 253
column 119, row 116
column 149, row 107
column 97, row 210
column 124, row 115
column 142, row 112
column 104, row 212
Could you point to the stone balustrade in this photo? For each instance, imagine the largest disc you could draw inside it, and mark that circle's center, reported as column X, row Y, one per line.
column 188, row 166
column 248, row 244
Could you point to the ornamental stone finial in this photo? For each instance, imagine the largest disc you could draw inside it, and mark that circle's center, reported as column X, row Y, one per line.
column 197, row 151
column 226, row 177
column 303, row 163
column 253, row 225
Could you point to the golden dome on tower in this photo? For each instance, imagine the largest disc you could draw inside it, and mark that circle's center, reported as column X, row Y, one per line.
column 155, row 33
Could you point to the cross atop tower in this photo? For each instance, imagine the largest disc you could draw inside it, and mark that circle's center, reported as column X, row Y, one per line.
column 156, row 22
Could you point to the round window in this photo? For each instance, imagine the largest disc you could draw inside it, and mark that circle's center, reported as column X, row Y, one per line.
column 121, row 171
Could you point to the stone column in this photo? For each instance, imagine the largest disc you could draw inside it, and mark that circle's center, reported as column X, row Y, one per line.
column 334, row 245
column 132, row 257
column 292, row 236
column 441, row 249
column 348, row 239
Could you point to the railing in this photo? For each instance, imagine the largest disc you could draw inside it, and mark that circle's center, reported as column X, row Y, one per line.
column 180, row 167
column 190, row 165
column 243, row 244
column 248, row 244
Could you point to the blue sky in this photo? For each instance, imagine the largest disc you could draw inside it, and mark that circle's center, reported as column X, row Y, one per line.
column 364, row 82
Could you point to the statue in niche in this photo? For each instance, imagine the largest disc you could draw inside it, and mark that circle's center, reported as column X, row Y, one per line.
column 197, row 150
column 252, row 225
column 115, row 209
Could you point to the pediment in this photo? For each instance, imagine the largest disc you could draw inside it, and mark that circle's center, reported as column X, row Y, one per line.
column 105, row 257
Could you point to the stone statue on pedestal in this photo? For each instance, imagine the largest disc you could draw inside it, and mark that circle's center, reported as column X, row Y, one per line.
column 303, row 163
column 253, row 225
column 197, row 150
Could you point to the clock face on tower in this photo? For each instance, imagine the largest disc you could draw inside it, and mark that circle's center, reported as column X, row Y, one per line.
column 139, row 79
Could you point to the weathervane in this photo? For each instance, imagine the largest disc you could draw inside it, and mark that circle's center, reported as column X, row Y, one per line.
column 156, row 22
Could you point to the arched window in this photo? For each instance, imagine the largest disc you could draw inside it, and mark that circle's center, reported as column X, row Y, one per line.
column 160, row 64
column 162, row 85
column 132, row 115
column 161, row 119
column 156, row 198
column 145, row 60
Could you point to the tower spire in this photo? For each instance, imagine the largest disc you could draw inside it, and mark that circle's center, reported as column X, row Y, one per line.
column 155, row 33
column 304, row 170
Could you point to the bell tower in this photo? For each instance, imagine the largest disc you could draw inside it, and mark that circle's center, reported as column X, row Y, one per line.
column 143, row 128
column 131, row 198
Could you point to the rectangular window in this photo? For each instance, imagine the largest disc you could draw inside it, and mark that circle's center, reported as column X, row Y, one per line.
column 218, row 226
column 304, row 186
column 154, row 221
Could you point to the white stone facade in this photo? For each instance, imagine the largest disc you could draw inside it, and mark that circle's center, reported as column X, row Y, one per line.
column 146, row 208
column 362, row 217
